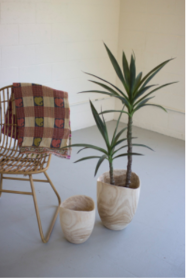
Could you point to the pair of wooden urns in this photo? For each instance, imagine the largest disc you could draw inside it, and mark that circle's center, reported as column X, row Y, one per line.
column 116, row 206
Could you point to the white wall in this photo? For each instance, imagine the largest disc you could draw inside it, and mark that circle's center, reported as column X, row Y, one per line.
column 51, row 42
column 154, row 29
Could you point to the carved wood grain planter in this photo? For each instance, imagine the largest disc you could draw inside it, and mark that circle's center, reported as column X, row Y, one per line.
column 116, row 204
column 77, row 217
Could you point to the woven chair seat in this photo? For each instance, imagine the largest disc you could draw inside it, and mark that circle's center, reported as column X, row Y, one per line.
column 14, row 162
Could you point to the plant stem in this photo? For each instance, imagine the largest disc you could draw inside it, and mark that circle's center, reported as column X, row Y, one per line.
column 112, row 182
column 129, row 141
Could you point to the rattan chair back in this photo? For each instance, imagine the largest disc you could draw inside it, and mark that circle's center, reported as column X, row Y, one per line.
column 11, row 161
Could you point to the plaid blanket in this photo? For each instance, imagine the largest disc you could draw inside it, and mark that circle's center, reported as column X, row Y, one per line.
column 43, row 119
column 10, row 118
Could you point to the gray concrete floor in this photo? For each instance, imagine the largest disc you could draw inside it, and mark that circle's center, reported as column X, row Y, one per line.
column 151, row 246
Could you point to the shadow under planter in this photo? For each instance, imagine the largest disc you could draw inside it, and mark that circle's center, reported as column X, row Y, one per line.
column 77, row 217
column 117, row 204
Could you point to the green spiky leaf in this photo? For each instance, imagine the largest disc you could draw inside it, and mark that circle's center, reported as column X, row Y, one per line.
column 120, row 91
column 99, row 163
column 88, row 147
column 142, row 103
column 126, row 70
column 137, row 83
column 144, row 146
column 155, row 105
column 125, row 146
column 141, row 91
column 118, row 136
column 154, row 91
column 132, row 74
column 126, row 154
column 155, row 69
column 113, row 111
column 105, row 87
column 101, row 126
column 122, row 140
column 116, row 128
column 85, row 158
column 116, row 68
column 103, row 92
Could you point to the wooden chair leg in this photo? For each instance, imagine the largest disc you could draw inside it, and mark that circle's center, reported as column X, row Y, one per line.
column 1, row 183
column 44, row 239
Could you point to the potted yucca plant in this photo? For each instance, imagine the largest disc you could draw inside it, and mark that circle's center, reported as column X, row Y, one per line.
column 118, row 190
column 116, row 204
column 135, row 95
column 111, row 197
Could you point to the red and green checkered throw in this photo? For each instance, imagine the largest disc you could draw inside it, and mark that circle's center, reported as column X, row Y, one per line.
column 43, row 119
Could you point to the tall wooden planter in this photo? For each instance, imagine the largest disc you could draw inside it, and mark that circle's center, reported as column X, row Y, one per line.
column 116, row 204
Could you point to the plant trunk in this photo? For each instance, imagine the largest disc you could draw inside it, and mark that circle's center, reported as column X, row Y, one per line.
column 129, row 141
column 112, row 182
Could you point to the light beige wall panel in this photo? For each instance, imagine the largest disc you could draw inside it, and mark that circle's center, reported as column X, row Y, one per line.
column 155, row 31
column 35, row 33
column 18, row 56
column 52, row 41
column 27, row 56
column 81, row 32
column 18, row 12
column 9, row 34
column 8, row 74
column 44, row 12
column 11, row 55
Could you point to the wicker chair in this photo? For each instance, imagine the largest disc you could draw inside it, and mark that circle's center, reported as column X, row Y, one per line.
column 12, row 162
